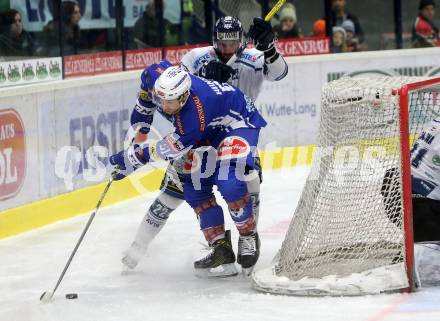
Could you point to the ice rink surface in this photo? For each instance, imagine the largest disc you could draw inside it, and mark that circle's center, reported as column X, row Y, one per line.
column 163, row 286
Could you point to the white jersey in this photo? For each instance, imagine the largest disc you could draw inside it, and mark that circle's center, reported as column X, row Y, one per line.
column 250, row 68
column 425, row 162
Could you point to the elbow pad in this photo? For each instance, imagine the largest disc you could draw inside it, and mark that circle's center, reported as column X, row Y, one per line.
column 142, row 115
column 275, row 66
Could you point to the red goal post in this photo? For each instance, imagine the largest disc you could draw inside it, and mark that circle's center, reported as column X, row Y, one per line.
column 348, row 236
column 404, row 93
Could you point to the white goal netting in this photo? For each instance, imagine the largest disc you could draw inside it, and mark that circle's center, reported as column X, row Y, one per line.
column 347, row 235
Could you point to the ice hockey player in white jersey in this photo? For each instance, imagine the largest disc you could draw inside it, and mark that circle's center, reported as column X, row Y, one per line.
column 250, row 68
column 247, row 72
column 425, row 181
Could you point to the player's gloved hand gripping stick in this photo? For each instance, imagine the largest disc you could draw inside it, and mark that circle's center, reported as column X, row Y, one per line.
column 269, row 16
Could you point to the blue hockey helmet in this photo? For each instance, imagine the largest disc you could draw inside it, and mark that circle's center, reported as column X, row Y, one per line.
column 227, row 36
column 151, row 73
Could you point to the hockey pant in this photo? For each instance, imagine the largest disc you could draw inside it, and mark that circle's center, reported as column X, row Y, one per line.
column 235, row 151
column 426, row 219
column 171, row 197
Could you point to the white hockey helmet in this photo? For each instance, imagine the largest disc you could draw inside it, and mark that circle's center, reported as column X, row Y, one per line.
column 174, row 83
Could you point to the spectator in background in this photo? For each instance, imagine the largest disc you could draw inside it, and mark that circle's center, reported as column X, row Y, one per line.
column 319, row 29
column 14, row 40
column 287, row 28
column 350, row 40
column 424, row 32
column 339, row 40
column 192, row 31
column 146, row 29
column 70, row 18
column 339, row 15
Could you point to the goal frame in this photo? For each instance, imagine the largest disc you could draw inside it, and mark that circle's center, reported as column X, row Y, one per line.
column 404, row 92
column 288, row 273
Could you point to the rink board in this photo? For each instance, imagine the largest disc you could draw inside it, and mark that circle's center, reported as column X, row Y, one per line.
column 84, row 113
column 83, row 201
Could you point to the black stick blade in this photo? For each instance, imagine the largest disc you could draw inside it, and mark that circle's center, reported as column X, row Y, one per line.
column 46, row 296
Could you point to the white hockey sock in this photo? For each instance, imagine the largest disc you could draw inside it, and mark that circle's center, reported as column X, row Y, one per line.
column 253, row 187
column 152, row 223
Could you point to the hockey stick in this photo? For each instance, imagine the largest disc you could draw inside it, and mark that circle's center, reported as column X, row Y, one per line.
column 269, row 16
column 47, row 296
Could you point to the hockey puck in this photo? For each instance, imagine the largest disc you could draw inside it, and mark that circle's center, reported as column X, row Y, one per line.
column 71, row 296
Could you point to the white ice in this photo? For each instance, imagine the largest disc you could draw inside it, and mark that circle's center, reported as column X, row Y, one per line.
column 163, row 286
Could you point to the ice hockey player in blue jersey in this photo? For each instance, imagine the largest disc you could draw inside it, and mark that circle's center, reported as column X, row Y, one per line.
column 207, row 114
column 247, row 73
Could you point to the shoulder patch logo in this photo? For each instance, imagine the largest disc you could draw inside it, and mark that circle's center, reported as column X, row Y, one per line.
column 143, row 94
column 249, row 57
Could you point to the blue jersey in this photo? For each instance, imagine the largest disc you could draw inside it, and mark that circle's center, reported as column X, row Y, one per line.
column 211, row 111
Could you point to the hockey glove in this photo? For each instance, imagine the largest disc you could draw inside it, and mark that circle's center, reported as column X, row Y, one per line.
column 262, row 35
column 119, row 170
column 126, row 162
column 217, row 71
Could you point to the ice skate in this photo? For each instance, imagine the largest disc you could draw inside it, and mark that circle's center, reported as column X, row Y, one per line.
column 133, row 255
column 248, row 252
column 220, row 261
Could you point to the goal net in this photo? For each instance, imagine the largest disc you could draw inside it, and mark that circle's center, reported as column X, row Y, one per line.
column 351, row 233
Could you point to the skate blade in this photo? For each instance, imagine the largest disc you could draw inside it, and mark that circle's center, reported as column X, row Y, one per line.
column 221, row 271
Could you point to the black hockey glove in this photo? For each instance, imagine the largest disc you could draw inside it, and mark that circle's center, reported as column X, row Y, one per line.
column 217, row 71
column 262, row 35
